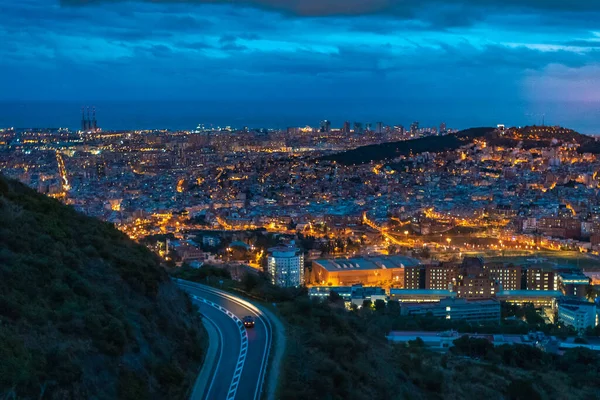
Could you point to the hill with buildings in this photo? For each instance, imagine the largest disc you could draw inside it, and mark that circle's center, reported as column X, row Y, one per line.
column 526, row 137
column 391, row 150
column 84, row 311
column 529, row 137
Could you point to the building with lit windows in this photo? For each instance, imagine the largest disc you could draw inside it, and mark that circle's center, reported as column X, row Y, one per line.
column 441, row 277
column 541, row 278
column 539, row 298
column 457, row 309
column 285, row 265
column 573, row 284
column 477, row 287
column 578, row 314
column 414, row 277
column 560, row 227
column 508, row 277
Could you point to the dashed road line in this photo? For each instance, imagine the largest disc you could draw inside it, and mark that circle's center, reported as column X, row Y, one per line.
column 255, row 310
column 243, row 345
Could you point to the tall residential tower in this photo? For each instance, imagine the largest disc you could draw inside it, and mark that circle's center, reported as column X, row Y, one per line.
column 285, row 265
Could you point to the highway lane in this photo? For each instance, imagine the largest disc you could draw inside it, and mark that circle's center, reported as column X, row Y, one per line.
column 229, row 345
column 241, row 369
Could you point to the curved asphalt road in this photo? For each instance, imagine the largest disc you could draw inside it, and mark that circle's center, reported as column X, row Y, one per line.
column 240, row 366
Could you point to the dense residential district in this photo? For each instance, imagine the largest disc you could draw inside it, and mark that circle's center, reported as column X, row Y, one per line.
column 452, row 224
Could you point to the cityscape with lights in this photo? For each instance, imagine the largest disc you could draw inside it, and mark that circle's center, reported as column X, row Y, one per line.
column 176, row 191
column 459, row 226
column 315, row 199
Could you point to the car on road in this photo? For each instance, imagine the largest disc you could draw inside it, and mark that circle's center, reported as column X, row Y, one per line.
column 248, row 321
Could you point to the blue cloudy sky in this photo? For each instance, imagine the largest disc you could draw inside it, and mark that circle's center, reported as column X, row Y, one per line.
column 287, row 62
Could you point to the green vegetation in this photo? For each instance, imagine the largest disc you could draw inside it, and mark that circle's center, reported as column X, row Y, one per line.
column 254, row 285
column 336, row 354
column 84, row 311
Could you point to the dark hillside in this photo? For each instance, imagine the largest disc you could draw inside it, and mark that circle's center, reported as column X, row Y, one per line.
column 388, row 151
column 336, row 354
column 84, row 311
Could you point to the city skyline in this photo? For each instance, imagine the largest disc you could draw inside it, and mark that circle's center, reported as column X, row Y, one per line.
column 464, row 63
column 187, row 116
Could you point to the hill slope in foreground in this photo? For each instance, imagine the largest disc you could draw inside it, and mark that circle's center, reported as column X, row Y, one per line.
column 84, row 311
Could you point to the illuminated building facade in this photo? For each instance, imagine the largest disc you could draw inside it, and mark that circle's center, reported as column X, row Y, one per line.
column 441, row 276
column 578, row 314
column 541, row 278
column 477, row 287
column 574, row 285
column 285, row 265
column 362, row 270
column 508, row 277
column 414, row 277
column 538, row 298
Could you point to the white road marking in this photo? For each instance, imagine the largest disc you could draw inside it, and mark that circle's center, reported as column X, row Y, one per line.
column 257, row 312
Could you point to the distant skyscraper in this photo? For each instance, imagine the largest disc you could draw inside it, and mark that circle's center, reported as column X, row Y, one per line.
column 84, row 125
column 414, row 127
column 93, row 122
column 358, row 127
column 346, row 128
column 325, row 125
column 88, row 123
column 442, row 128
column 379, row 128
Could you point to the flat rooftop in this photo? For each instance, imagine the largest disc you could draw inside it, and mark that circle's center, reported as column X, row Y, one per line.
column 529, row 293
column 366, row 263
column 422, row 292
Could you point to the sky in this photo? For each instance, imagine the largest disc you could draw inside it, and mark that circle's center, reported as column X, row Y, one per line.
column 174, row 64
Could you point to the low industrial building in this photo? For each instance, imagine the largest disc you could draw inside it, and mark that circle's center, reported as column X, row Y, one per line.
column 361, row 270
column 539, row 298
column 356, row 294
column 457, row 309
column 420, row 295
column 442, row 341
column 371, row 293
column 323, row 292
column 432, row 340
column 578, row 314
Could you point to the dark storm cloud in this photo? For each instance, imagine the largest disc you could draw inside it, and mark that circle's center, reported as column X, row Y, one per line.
column 400, row 8
column 439, row 51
